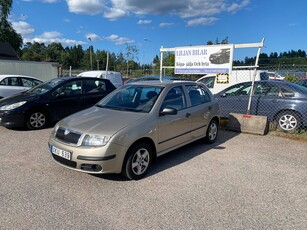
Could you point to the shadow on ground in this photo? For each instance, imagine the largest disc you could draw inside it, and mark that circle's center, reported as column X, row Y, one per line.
column 179, row 156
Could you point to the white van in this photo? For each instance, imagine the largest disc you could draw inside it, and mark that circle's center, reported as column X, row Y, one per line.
column 114, row 77
column 218, row 82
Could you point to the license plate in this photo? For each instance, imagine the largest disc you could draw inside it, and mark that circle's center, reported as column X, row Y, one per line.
column 60, row 152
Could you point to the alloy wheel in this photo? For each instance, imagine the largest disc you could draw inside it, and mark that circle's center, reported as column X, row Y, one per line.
column 37, row 120
column 288, row 122
column 140, row 161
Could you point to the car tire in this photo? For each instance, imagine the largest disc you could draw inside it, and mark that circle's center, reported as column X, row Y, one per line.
column 137, row 162
column 37, row 120
column 288, row 121
column 212, row 132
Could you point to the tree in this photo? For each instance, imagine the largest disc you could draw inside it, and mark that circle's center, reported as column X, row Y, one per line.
column 224, row 41
column 34, row 52
column 217, row 42
column 54, row 52
column 75, row 56
column 5, row 8
column 7, row 32
column 130, row 55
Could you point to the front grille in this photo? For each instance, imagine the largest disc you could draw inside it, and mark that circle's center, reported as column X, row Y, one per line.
column 68, row 137
column 64, row 161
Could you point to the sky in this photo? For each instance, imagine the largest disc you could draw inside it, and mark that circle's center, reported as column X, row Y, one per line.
column 148, row 25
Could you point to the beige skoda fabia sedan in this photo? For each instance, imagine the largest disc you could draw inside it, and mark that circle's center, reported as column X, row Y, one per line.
column 133, row 125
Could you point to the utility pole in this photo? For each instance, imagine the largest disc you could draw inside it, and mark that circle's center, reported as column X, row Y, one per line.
column 91, row 59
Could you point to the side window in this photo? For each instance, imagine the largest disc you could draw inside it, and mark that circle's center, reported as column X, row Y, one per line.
column 5, row 81
column 198, row 95
column 12, row 81
column 261, row 89
column 69, row 89
column 239, row 90
column 29, row 82
column 287, row 93
column 209, row 82
column 95, row 86
column 273, row 91
column 174, row 99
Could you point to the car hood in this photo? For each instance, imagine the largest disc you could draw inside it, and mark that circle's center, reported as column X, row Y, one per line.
column 95, row 120
column 18, row 97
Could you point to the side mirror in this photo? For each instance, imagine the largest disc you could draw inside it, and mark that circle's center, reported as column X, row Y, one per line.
column 168, row 111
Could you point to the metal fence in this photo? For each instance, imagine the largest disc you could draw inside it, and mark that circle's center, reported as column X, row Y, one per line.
column 285, row 105
column 272, row 95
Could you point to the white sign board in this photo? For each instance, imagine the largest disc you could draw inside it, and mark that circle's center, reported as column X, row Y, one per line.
column 204, row 59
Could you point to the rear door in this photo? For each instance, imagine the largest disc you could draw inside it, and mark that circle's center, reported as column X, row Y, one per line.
column 94, row 90
column 200, row 108
column 273, row 98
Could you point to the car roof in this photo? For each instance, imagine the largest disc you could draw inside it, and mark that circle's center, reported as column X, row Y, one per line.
column 164, row 83
column 2, row 76
column 286, row 84
column 155, row 76
column 77, row 78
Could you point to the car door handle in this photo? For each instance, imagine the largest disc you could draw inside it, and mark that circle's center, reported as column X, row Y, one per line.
column 209, row 108
column 187, row 115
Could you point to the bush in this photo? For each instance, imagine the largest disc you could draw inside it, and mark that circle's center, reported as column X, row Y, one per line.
column 291, row 78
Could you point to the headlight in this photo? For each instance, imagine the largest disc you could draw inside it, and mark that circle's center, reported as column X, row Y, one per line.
column 54, row 130
column 95, row 140
column 12, row 106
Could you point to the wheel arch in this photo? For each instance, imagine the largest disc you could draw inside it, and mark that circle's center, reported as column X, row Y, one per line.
column 298, row 116
column 146, row 140
column 38, row 108
column 217, row 119
column 276, row 115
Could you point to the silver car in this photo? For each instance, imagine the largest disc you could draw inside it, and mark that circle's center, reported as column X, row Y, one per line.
column 133, row 125
column 13, row 84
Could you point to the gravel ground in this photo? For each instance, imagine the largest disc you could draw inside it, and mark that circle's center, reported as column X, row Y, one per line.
column 242, row 181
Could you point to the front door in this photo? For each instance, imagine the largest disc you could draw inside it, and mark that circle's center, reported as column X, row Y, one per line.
column 174, row 129
column 65, row 99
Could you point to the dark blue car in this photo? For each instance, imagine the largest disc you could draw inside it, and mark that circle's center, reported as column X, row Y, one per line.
column 282, row 102
column 51, row 101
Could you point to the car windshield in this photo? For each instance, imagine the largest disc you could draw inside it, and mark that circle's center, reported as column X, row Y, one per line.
column 44, row 87
column 135, row 98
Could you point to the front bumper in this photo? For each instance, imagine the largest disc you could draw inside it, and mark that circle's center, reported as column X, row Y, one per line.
column 95, row 160
column 12, row 119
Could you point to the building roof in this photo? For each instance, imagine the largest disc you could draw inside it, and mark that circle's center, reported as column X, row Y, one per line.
column 7, row 52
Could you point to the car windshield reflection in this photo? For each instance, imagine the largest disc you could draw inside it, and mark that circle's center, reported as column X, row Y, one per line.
column 134, row 98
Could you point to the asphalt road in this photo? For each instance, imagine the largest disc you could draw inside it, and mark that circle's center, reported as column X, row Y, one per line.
column 243, row 181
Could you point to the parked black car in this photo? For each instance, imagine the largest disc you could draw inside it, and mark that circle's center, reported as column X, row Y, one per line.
column 282, row 102
column 220, row 57
column 52, row 101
